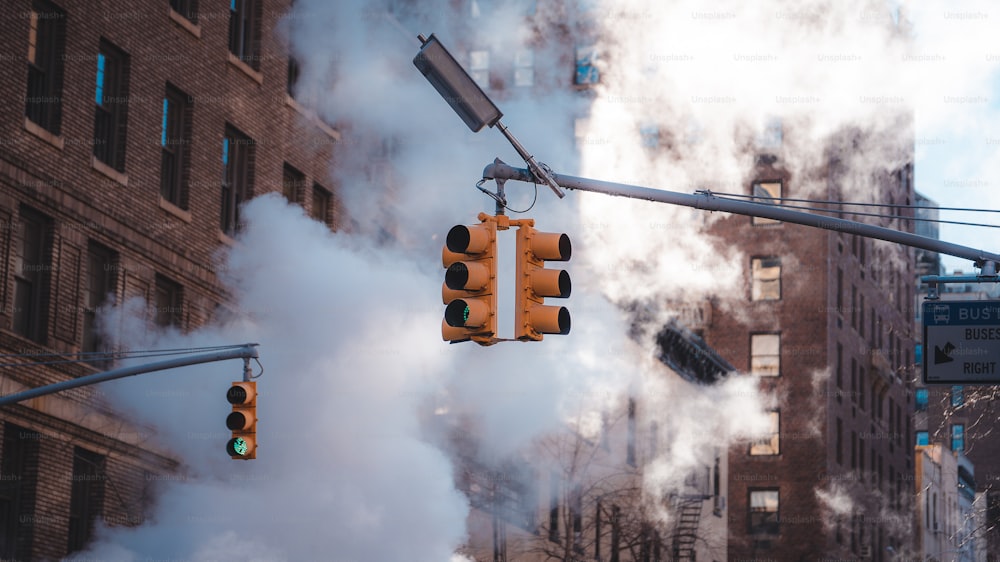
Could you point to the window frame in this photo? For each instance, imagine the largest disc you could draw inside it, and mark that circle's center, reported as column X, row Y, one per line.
column 755, row 364
column 921, row 399
column 111, row 105
column 169, row 302
column 761, row 283
column 175, row 149
column 238, row 156
column 586, row 72
column 87, row 497
column 768, row 446
column 958, row 437
column 102, row 270
column 46, row 65
column 321, row 194
column 31, row 310
column 765, row 527
column 188, row 9
column 479, row 67
column 766, row 196
column 245, row 31
column 524, row 68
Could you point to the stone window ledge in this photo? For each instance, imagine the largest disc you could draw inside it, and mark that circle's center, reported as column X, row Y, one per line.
column 108, row 171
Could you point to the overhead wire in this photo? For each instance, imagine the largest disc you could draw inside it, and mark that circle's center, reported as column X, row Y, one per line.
column 781, row 200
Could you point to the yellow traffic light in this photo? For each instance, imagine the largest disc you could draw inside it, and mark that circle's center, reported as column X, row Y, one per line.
column 470, row 283
column 532, row 318
column 243, row 420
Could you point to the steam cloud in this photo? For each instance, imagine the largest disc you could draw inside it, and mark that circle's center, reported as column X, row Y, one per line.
column 348, row 324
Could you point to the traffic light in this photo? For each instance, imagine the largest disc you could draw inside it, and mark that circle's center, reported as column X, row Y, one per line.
column 532, row 318
column 470, row 283
column 243, row 420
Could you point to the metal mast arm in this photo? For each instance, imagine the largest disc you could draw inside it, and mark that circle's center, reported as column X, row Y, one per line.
column 982, row 258
column 246, row 351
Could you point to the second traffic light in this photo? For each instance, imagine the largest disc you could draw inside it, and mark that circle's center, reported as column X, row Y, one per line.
column 470, row 283
column 243, row 420
column 532, row 318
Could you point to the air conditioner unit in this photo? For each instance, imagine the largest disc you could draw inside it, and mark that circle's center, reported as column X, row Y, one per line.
column 866, row 551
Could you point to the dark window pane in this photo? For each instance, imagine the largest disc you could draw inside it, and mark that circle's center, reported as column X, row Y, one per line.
column 111, row 105
column 102, row 265
column 168, row 302
column 86, row 497
column 175, row 147
column 46, row 46
column 237, row 178
column 31, row 279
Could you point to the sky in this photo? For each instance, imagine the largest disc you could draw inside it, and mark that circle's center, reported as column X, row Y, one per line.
column 349, row 326
column 957, row 145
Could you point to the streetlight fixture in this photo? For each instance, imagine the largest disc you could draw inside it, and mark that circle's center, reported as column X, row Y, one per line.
column 470, row 102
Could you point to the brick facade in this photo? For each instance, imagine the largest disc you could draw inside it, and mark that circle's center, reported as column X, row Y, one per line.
column 85, row 202
column 844, row 362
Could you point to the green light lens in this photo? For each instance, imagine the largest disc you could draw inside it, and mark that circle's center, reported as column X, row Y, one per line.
column 465, row 315
column 237, row 446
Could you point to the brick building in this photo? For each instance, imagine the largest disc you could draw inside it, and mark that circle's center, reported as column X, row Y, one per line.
column 129, row 135
column 829, row 332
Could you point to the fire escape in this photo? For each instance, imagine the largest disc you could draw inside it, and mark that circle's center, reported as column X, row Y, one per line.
column 688, row 509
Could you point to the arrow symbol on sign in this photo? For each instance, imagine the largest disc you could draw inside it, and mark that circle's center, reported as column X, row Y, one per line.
column 943, row 356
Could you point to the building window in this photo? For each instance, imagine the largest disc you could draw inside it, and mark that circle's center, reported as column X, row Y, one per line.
column 293, row 76
column 293, row 184
column 86, row 497
column 768, row 193
column 169, row 302
column 111, row 99
column 861, row 388
column 479, row 67
column 769, row 444
column 764, row 512
column 854, row 450
column 630, row 445
column 958, row 437
column 766, row 279
column 186, row 8
column 524, row 68
column 46, row 46
column 102, row 265
column 770, row 135
column 921, row 397
column 237, row 177
column 175, row 147
column 650, row 135
column 840, row 372
column 244, row 31
column 19, row 467
column 957, row 398
column 586, row 70
column 840, row 441
column 32, row 275
column 765, row 355
column 322, row 207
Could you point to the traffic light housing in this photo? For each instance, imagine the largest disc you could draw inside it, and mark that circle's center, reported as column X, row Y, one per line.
column 243, row 420
column 470, row 283
column 533, row 283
